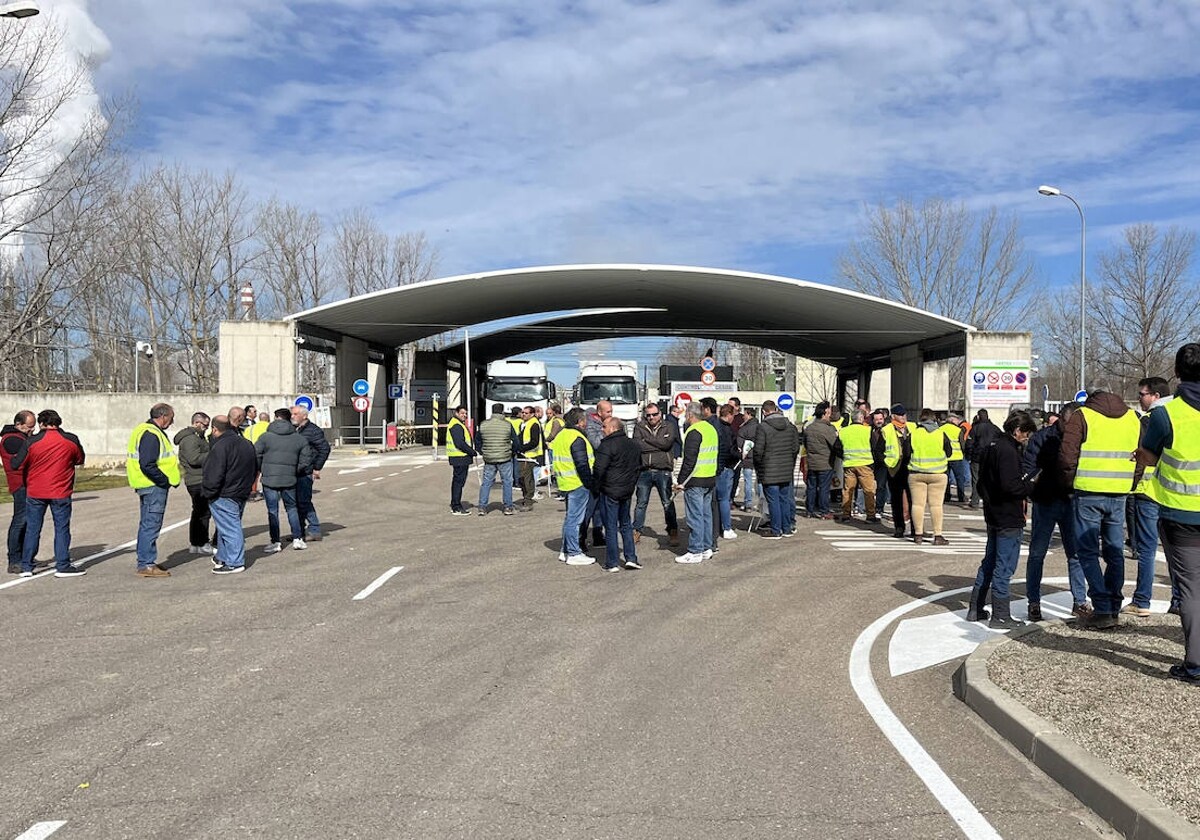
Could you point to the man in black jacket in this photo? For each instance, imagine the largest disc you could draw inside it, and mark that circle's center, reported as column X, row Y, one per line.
column 983, row 434
column 309, row 523
column 283, row 456
column 618, row 463
column 193, row 446
column 1003, row 487
column 1051, row 499
column 776, row 447
column 658, row 439
column 229, row 474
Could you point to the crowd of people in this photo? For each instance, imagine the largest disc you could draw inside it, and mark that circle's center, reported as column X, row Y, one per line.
column 1102, row 474
column 220, row 461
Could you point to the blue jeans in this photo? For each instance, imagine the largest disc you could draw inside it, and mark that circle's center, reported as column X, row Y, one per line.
column 1145, row 544
column 999, row 563
column 960, row 476
column 816, row 492
column 35, row 516
column 724, row 499
column 577, row 507
column 776, row 497
column 698, row 501
column 881, row 488
column 1045, row 516
column 788, row 500
column 309, row 523
column 1100, row 531
column 748, row 486
column 615, row 515
column 231, row 542
column 153, row 502
column 272, row 496
column 657, row 480
column 16, row 528
column 490, row 473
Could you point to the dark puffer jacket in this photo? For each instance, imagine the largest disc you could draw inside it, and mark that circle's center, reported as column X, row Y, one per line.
column 283, row 454
column 618, row 464
column 776, row 446
column 983, row 434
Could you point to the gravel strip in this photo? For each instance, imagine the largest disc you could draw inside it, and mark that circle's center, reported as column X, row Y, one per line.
column 1110, row 693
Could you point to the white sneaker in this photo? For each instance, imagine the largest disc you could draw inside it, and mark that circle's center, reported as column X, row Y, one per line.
column 729, row 535
column 562, row 558
column 690, row 558
column 273, row 548
column 707, row 555
column 207, row 548
column 299, row 544
column 579, row 560
column 538, row 497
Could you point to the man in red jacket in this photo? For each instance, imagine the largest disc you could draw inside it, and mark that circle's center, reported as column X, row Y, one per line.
column 12, row 438
column 48, row 461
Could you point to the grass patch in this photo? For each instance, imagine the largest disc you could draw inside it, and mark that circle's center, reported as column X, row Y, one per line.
column 86, row 478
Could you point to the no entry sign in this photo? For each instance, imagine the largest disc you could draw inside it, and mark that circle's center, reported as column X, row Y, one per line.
column 361, row 404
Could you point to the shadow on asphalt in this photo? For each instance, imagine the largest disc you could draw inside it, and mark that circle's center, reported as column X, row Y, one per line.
column 937, row 584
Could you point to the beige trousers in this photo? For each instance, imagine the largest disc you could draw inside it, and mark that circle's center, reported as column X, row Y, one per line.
column 855, row 478
column 927, row 489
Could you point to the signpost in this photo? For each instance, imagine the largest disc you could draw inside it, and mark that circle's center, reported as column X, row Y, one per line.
column 361, row 404
column 395, row 392
column 304, row 401
column 786, row 402
column 1081, row 397
column 362, row 387
column 682, row 399
column 708, row 378
column 437, row 419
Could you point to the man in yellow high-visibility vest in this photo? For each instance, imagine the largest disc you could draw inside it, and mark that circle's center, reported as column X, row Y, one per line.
column 529, row 435
column 152, row 467
column 574, row 459
column 1172, row 444
column 1096, row 460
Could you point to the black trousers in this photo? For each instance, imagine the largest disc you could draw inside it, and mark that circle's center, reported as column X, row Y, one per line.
column 900, row 496
column 461, row 466
column 201, row 519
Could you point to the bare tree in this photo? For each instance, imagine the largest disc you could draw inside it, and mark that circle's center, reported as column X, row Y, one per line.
column 940, row 258
column 288, row 264
column 1151, row 304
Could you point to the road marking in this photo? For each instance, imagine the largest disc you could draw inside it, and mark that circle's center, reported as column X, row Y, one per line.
column 410, row 469
column 349, row 472
column 378, row 582
column 972, row 823
column 379, row 478
column 360, row 484
column 42, row 830
column 390, row 475
column 420, row 466
column 94, row 557
column 340, row 489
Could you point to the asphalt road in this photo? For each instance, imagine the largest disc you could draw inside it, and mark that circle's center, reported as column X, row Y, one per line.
column 485, row 690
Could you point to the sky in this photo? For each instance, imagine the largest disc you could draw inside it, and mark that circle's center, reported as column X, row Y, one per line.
column 743, row 134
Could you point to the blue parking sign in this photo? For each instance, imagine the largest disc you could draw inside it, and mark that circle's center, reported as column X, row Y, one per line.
column 395, row 391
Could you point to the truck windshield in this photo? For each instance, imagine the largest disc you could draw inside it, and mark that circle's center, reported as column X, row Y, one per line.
column 619, row 390
column 516, row 390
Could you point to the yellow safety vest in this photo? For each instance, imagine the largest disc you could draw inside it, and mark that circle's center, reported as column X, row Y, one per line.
column 256, row 430
column 567, row 477
column 706, row 458
column 1176, row 481
column 952, row 432
column 452, row 450
column 892, row 448
column 1106, row 455
column 856, row 446
column 928, row 451
column 527, row 436
column 168, row 459
column 515, row 422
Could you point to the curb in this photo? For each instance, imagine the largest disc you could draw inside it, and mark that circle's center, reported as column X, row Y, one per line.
column 1116, row 799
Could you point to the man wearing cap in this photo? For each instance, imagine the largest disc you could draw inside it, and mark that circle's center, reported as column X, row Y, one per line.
column 958, row 473
column 897, row 441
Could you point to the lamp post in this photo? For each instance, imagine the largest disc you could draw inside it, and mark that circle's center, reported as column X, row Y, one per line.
column 19, row 10
column 140, row 347
column 1053, row 191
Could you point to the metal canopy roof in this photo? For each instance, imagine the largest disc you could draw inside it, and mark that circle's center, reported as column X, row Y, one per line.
column 811, row 320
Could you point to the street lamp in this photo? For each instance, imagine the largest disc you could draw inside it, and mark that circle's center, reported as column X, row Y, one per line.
column 19, row 10
column 140, row 347
column 1053, row 191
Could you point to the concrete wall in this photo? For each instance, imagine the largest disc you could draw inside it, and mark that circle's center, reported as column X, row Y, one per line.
column 258, row 357
column 104, row 421
column 908, row 375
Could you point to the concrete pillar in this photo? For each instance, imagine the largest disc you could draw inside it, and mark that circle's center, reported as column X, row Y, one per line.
column 257, row 357
column 936, row 388
column 350, row 364
column 908, row 375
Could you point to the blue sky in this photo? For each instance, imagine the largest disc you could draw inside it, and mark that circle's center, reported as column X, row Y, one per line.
column 746, row 134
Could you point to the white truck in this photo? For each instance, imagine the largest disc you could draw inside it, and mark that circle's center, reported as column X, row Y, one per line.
column 616, row 382
column 517, row 383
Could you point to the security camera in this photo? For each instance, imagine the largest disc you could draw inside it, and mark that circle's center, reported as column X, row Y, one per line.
column 299, row 339
column 149, row 352
column 144, row 347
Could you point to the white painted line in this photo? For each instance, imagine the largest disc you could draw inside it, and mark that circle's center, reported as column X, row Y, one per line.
column 380, row 478
column 42, row 830
column 410, row 469
column 392, row 475
column 360, row 484
column 420, row 466
column 97, row 556
column 972, row 823
column 340, row 489
column 378, row 582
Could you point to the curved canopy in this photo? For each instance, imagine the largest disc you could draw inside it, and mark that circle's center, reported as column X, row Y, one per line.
column 806, row 319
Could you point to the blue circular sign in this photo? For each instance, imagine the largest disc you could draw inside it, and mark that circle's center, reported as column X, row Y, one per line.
column 786, row 402
column 362, row 387
column 1021, row 377
column 708, row 363
column 305, row 402
column 1081, row 397
column 980, row 377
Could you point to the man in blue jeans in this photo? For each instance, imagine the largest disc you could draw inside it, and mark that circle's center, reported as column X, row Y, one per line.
column 152, row 468
column 48, row 461
column 820, row 437
column 496, row 441
column 1051, row 507
column 698, row 480
column 12, row 439
column 657, row 439
column 1096, row 460
column 310, row 524
column 572, row 460
column 1153, row 392
column 229, row 475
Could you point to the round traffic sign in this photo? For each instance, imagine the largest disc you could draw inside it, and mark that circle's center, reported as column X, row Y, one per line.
column 304, row 401
column 1081, row 396
column 1021, row 377
column 362, row 387
column 708, row 378
column 708, row 363
column 786, row 402
column 361, row 404
column 682, row 398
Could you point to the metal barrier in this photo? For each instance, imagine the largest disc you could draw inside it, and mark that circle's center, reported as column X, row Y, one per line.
column 376, row 436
